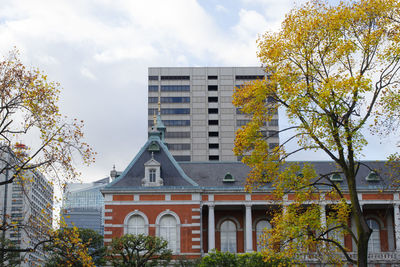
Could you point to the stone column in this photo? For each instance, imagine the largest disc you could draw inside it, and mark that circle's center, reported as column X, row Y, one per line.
column 397, row 226
column 249, row 230
column 323, row 215
column 322, row 209
column 211, row 228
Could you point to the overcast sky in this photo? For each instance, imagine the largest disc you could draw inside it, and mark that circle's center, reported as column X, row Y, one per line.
column 100, row 50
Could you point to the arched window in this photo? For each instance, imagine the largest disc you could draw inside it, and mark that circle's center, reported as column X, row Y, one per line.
column 136, row 225
column 168, row 231
column 374, row 243
column 228, row 236
column 261, row 225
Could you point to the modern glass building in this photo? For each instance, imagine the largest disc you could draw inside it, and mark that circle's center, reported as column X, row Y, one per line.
column 83, row 205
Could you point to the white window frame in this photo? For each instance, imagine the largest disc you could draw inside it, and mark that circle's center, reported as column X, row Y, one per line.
column 231, row 235
column 152, row 175
column 260, row 232
column 136, row 213
column 178, row 228
column 374, row 243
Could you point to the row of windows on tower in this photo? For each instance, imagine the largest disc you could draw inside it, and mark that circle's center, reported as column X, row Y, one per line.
column 177, row 88
column 180, row 111
column 209, row 77
column 187, row 146
column 179, row 135
column 170, row 99
column 239, row 123
column 177, row 99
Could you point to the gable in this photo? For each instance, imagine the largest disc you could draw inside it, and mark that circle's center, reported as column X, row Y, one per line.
column 171, row 172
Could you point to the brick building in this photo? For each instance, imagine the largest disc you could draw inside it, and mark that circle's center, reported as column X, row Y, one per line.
column 199, row 206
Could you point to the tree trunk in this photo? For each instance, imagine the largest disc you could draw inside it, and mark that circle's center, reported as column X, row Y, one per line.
column 363, row 231
column 362, row 249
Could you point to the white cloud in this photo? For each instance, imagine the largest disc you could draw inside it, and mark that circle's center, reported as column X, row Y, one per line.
column 87, row 73
column 250, row 24
column 100, row 51
column 221, row 8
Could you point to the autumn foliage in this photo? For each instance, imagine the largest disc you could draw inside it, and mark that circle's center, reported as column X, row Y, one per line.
column 334, row 71
column 36, row 141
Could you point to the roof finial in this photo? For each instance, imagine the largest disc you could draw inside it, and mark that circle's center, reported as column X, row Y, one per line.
column 152, row 155
column 154, row 118
column 113, row 167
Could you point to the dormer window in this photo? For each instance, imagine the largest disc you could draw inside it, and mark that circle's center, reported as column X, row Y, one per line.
column 228, row 178
column 372, row 177
column 152, row 175
column 336, row 177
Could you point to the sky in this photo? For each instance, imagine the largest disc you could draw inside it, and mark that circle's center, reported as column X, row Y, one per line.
column 100, row 50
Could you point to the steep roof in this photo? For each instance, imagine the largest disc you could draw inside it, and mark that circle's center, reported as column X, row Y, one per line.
column 171, row 172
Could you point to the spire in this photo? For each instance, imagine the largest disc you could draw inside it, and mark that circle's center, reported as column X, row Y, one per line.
column 158, row 128
column 159, row 103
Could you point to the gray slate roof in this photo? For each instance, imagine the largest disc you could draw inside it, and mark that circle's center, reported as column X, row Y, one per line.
column 171, row 172
column 211, row 174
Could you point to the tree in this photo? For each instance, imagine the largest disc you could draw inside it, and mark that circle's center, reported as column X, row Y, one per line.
column 139, row 250
column 89, row 240
column 35, row 139
column 66, row 247
column 334, row 71
column 11, row 256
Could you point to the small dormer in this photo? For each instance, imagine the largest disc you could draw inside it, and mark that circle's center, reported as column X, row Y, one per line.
column 372, row 177
column 228, row 178
column 152, row 172
column 336, row 177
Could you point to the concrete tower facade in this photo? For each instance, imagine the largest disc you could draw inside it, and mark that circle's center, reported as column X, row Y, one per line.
column 197, row 111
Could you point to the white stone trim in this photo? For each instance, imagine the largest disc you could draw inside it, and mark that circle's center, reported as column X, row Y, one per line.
column 107, row 239
column 211, row 228
column 158, row 203
column 136, row 213
column 396, row 220
column 210, row 197
column 230, row 218
column 108, row 210
column 196, row 197
column 195, row 209
column 248, row 232
column 113, row 225
column 108, row 217
column 136, row 197
column 195, row 247
column 108, row 232
column 195, row 232
column 195, row 217
column 195, row 239
column 167, row 197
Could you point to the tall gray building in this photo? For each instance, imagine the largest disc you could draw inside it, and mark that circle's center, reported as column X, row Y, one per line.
column 27, row 205
column 197, row 110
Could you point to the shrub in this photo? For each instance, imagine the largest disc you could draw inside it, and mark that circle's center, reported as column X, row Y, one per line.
column 227, row 259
